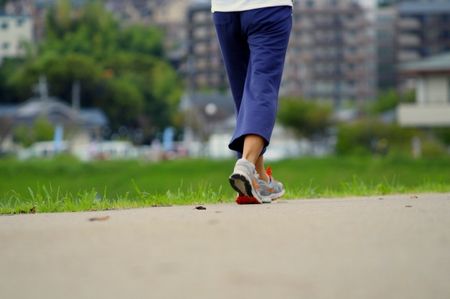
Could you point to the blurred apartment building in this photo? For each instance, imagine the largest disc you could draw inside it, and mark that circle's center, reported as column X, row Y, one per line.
column 331, row 53
column 129, row 11
column 35, row 9
column 423, row 29
column 386, row 34
column 168, row 15
column 409, row 31
column 15, row 31
column 203, row 69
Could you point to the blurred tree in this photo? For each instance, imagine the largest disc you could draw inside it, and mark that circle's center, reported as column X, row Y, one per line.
column 389, row 100
column 306, row 118
column 443, row 134
column 125, row 100
column 41, row 130
column 121, row 70
column 23, row 135
column 139, row 39
column 7, row 69
column 371, row 136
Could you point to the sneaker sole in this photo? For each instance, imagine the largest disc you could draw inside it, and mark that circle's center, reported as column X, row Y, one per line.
column 276, row 196
column 242, row 185
column 246, row 200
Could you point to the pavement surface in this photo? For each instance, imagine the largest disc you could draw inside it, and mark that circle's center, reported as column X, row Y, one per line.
column 373, row 247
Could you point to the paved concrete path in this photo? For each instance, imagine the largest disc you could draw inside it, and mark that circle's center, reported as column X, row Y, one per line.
column 378, row 247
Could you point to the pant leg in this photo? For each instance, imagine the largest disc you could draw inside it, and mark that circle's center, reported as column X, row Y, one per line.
column 235, row 51
column 267, row 32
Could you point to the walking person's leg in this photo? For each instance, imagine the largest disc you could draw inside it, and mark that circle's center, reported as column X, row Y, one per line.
column 235, row 52
column 236, row 56
column 253, row 45
column 267, row 32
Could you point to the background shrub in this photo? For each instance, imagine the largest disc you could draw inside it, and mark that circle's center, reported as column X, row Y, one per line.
column 369, row 136
column 306, row 118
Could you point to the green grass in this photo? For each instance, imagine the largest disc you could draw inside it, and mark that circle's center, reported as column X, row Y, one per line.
column 65, row 184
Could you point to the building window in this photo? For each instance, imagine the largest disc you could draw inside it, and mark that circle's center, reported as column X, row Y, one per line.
column 5, row 25
column 5, row 46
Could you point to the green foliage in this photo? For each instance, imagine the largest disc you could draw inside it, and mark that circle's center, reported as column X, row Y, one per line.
column 41, row 130
column 369, row 136
column 389, row 100
column 443, row 134
column 23, row 135
column 125, row 100
column 89, row 30
column 121, row 70
column 433, row 148
column 8, row 69
column 144, row 40
column 306, row 118
column 385, row 102
column 62, row 70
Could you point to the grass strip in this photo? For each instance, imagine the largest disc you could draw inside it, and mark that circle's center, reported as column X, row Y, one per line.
column 67, row 185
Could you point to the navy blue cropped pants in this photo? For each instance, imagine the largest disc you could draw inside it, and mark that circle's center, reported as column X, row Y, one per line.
column 253, row 45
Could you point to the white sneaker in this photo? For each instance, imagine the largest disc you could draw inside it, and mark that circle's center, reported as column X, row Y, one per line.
column 245, row 181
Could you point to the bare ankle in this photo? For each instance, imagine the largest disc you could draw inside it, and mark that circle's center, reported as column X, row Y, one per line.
column 250, row 158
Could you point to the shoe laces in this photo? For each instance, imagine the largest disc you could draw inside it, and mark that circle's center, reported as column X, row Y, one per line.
column 268, row 173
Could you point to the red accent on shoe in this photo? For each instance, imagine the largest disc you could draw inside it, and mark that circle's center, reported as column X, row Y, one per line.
column 269, row 171
column 246, row 200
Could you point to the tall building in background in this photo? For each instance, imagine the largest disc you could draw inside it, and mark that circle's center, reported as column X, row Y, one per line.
column 36, row 10
column 15, row 30
column 423, row 29
column 131, row 11
column 204, row 69
column 332, row 52
column 386, row 21
column 170, row 16
column 409, row 30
